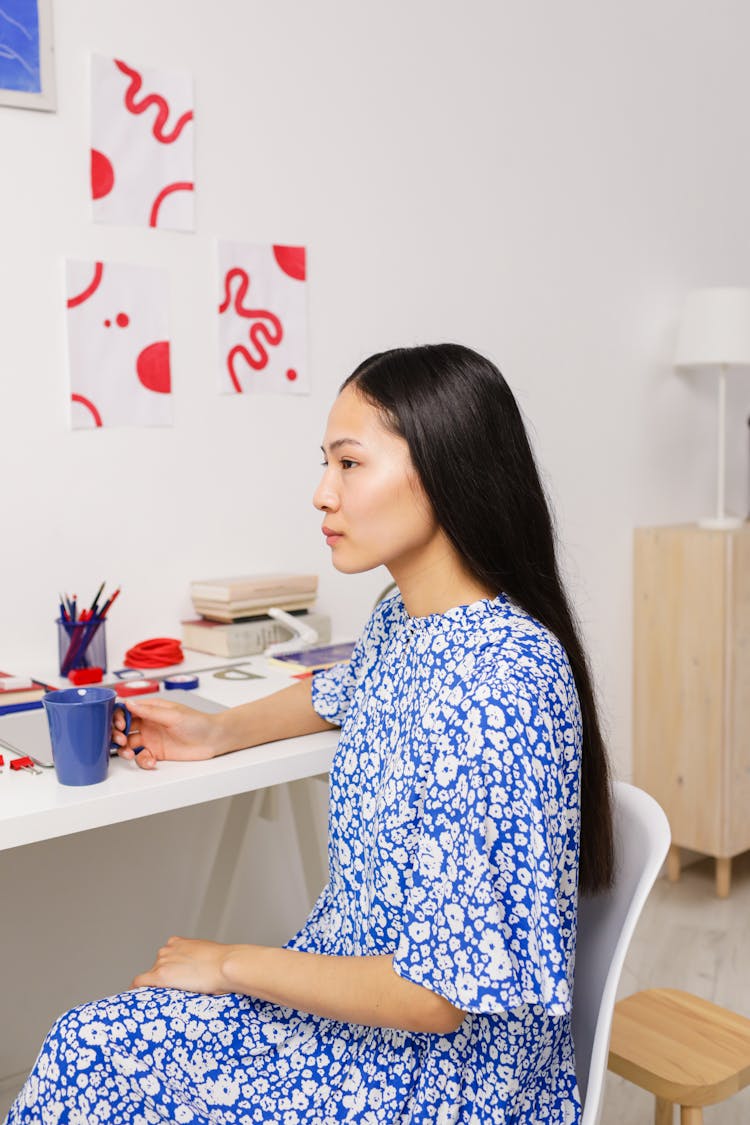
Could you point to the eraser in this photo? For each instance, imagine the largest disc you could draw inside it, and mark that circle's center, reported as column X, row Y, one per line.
column 79, row 676
column 15, row 683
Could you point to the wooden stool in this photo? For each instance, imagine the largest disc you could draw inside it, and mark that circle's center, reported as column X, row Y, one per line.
column 686, row 1051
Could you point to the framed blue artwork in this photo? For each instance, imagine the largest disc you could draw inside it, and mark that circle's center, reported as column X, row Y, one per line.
column 27, row 77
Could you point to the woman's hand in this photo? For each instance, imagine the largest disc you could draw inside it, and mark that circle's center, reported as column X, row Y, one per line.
column 194, row 966
column 169, row 731
column 166, row 731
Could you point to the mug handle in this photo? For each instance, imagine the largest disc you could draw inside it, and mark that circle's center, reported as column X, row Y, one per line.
column 127, row 716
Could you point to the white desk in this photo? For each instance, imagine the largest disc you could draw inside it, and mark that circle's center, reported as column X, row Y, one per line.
column 36, row 807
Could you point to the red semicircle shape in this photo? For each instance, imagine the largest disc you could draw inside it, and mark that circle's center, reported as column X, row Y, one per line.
column 291, row 259
column 102, row 175
column 152, row 367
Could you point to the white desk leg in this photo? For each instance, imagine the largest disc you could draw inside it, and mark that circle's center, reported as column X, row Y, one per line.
column 311, row 840
column 211, row 914
column 312, row 843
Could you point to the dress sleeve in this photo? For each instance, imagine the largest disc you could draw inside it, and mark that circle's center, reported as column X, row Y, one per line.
column 333, row 688
column 490, row 912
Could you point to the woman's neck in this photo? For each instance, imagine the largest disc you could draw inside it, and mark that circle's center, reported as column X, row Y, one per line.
column 438, row 582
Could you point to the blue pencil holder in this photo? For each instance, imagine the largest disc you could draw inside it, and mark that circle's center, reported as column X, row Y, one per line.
column 81, row 644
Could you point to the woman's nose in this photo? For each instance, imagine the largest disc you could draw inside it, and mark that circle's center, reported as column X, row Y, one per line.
column 324, row 497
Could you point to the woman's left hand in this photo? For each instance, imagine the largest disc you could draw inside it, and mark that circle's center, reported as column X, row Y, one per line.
column 194, row 966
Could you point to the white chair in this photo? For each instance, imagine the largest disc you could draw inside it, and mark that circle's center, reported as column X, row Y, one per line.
column 605, row 926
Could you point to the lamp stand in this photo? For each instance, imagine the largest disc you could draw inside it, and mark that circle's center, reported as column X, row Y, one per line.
column 721, row 521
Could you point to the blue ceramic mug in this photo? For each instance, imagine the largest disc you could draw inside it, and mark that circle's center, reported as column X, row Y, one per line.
column 80, row 727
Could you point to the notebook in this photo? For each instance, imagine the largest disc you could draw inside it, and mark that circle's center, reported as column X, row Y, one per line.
column 27, row 732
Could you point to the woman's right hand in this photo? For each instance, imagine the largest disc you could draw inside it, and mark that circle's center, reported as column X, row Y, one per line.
column 165, row 731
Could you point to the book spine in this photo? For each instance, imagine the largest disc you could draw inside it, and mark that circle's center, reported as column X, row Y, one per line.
column 30, row 696
column 248, row 638
column 257, row 589
column 258, row 634
column 296, row 668
column 237, row 614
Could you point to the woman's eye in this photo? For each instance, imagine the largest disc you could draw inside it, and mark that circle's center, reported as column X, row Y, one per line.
column 345, row 463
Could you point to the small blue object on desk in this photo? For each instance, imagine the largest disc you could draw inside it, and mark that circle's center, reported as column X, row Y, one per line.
column 183, row 682
column 11, row 708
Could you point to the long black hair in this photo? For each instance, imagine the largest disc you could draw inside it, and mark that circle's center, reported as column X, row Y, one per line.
column 469, row 446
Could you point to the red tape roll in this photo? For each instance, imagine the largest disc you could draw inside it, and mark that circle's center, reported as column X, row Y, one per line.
column 159, row 652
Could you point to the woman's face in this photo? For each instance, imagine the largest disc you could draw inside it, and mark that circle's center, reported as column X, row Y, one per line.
column 375, row 509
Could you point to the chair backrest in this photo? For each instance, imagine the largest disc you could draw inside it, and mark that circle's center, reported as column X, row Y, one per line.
column 605, row 926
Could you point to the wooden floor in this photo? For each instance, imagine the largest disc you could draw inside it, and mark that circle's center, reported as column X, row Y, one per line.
column 687, row 938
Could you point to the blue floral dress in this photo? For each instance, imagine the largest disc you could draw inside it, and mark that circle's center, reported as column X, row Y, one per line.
column 453, row 846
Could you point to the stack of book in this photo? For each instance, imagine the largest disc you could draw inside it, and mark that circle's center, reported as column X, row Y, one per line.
column 19, row 692
column 234, row 599
column 233, row 612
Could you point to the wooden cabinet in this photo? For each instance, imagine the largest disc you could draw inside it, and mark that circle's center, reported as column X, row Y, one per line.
column 692, row 687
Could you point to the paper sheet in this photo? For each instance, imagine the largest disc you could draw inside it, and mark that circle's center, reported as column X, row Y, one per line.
column 262, row 319
column 141, row 145
column 118, row 345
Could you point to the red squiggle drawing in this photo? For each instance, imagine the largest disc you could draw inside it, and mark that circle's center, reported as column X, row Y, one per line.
column 180, row 186
column 151, row 99
column 257, row 363
column 266, row 330
column 89, row 406
column 90, row 289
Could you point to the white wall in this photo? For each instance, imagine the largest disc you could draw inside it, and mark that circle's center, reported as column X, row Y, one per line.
column 544, row 182
column 541, row 181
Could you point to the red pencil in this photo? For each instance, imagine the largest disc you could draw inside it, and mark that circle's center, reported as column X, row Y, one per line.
column 108, row 604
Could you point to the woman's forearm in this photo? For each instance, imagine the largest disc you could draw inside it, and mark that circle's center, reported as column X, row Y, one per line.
column 363, row 990
column 284, row 714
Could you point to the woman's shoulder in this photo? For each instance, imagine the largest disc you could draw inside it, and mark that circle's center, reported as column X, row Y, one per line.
column 516, row 655
column 498, row 630
column 510, row 629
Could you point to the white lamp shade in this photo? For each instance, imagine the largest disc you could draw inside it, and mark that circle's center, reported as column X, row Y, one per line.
column 715, row 329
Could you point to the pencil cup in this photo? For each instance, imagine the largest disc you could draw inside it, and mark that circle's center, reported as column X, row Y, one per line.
column 81, row 644
column 80, row 727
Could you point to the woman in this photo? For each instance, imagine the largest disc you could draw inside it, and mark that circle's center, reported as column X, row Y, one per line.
column 432, row 981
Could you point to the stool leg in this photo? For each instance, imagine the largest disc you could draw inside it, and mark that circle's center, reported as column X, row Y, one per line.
column 663, row 1115
column 691, row 1115
column 723, row 877
column 673, row 864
